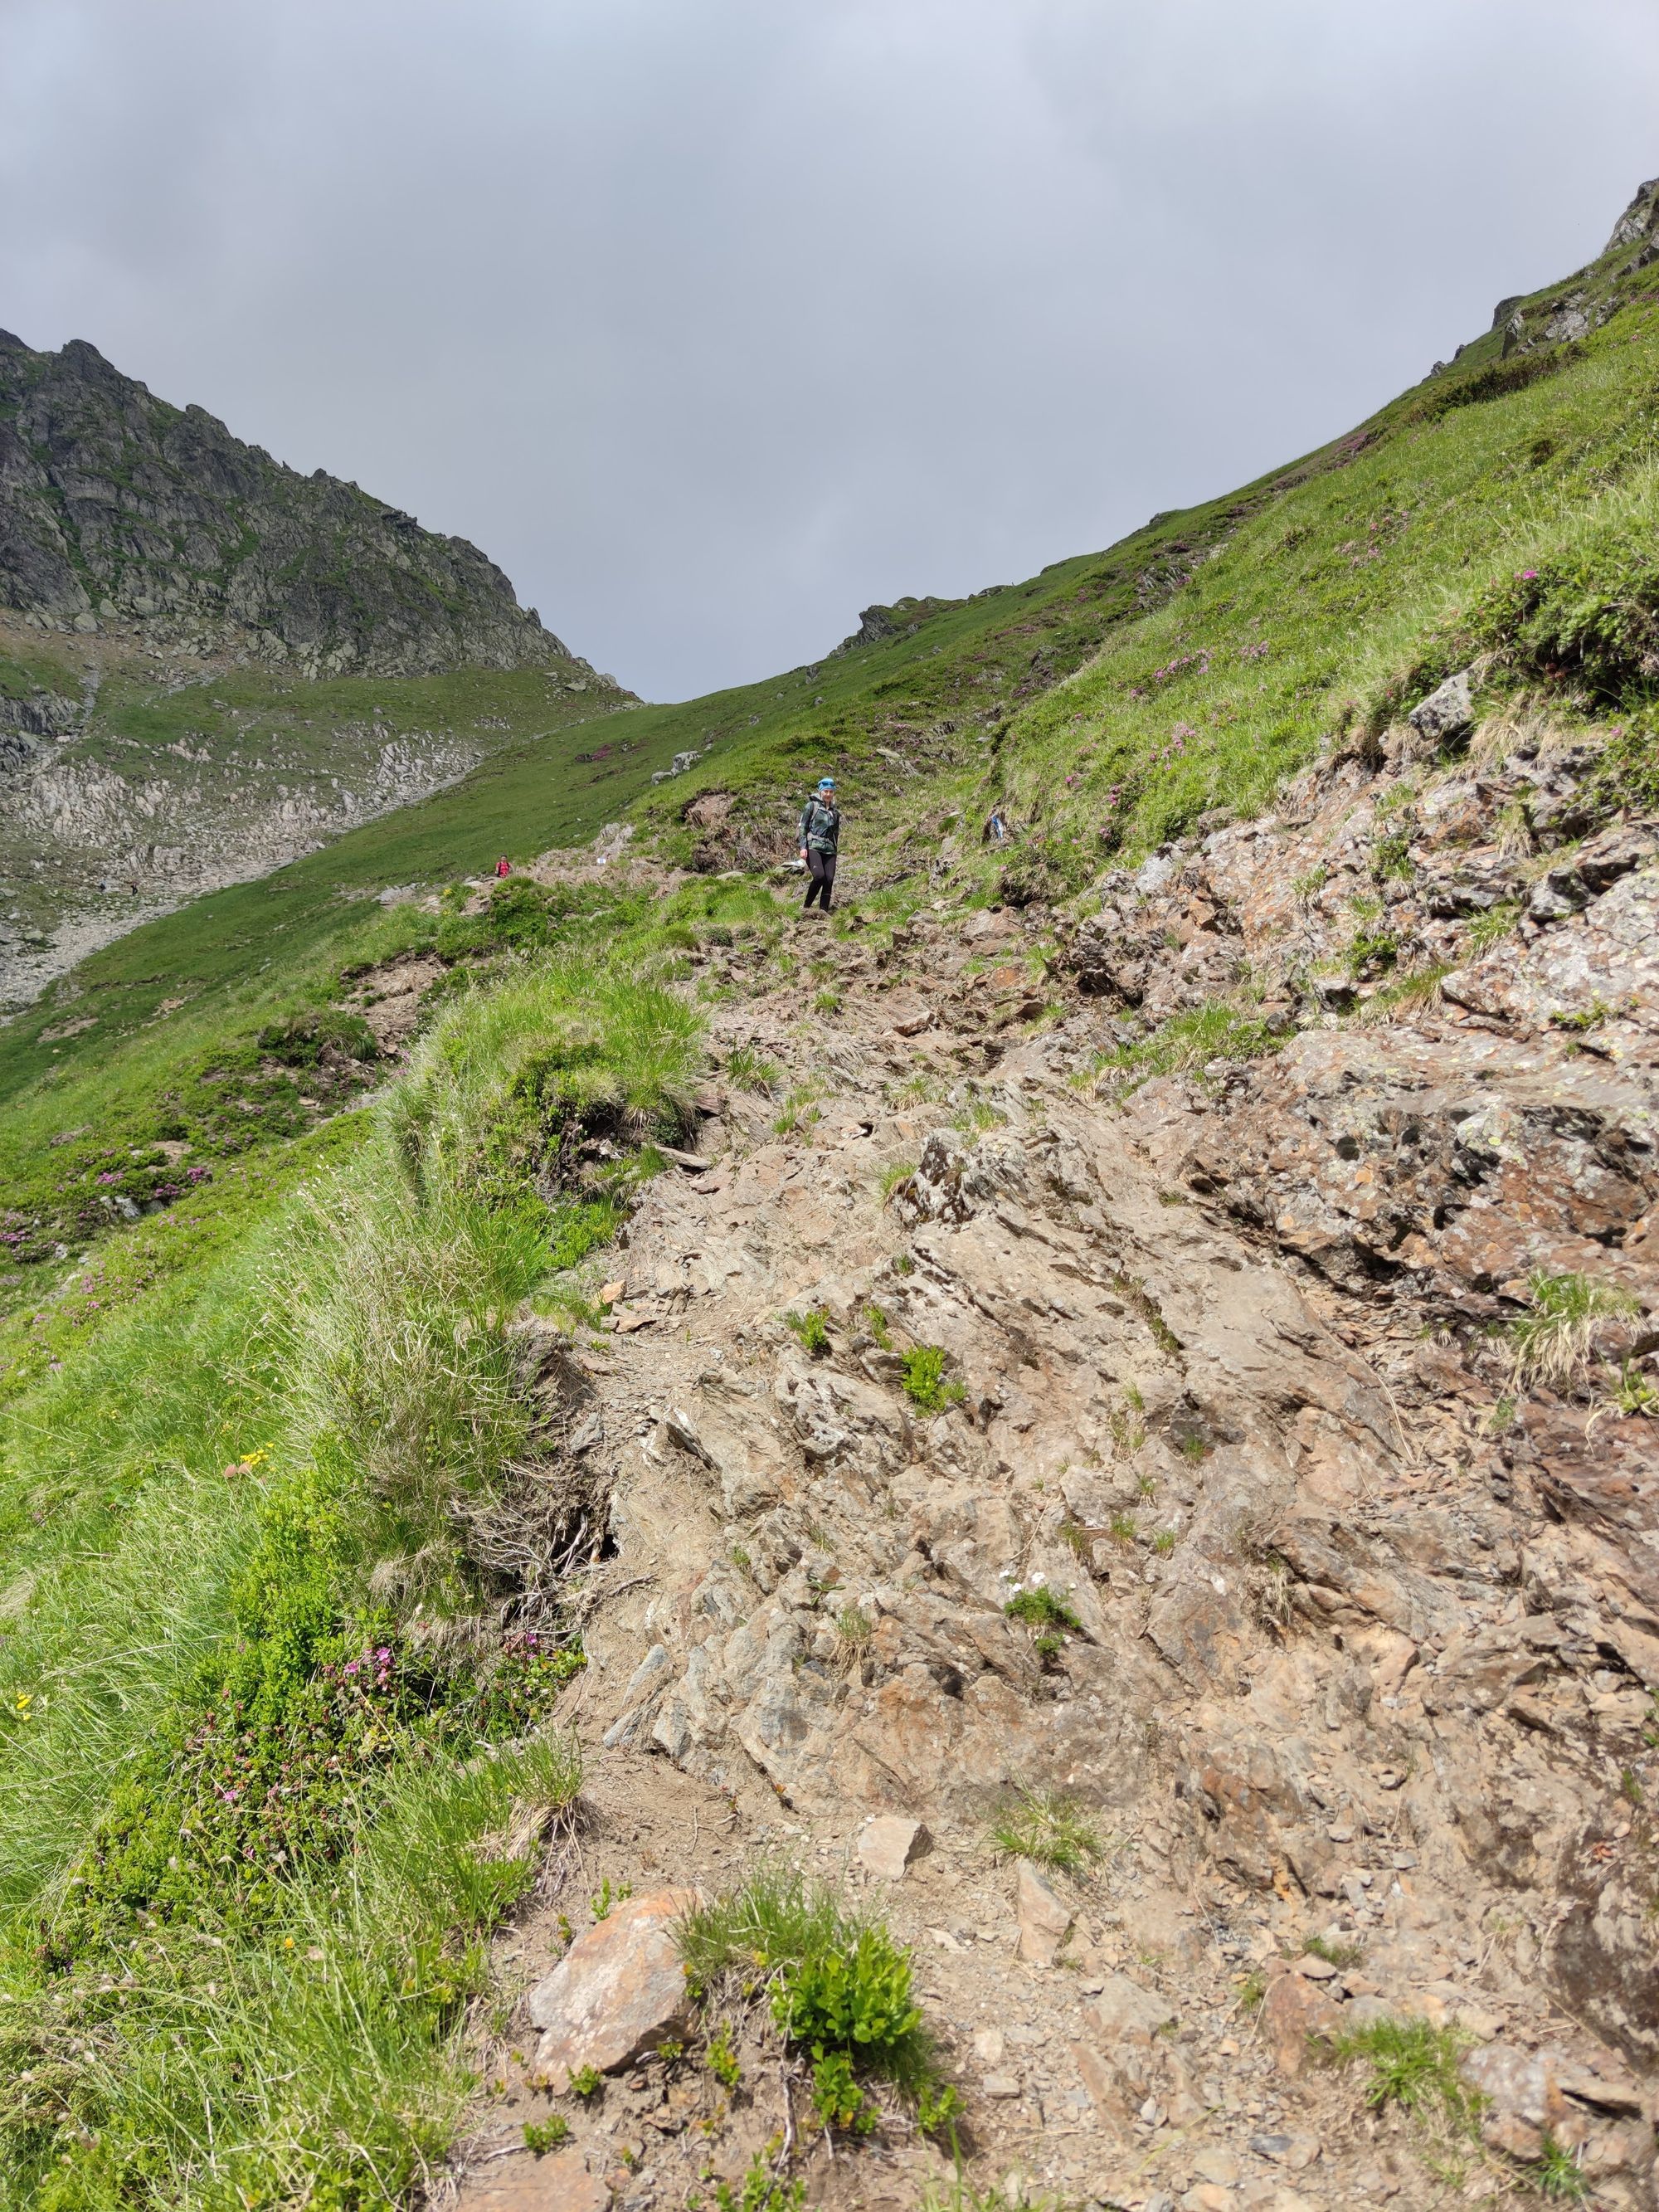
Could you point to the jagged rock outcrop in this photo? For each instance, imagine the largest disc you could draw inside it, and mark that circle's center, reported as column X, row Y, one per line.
column 1206, row 1508
column 1640, row 221
column 115, row 504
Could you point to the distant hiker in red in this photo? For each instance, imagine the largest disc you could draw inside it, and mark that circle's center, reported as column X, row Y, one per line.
column 503, row 866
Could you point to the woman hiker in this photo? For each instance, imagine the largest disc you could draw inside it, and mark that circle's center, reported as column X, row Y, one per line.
column 820, row 835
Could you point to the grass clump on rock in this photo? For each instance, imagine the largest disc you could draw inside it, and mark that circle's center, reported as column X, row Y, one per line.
column 1412, row 2063
column 1049, row 1828
column 812, row 1329
column 1039, row 1607
column 1551, row 1345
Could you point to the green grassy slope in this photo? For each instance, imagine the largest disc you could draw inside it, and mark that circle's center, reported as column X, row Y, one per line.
column 1107, row 703
column 326, row 1314
column 233, row 745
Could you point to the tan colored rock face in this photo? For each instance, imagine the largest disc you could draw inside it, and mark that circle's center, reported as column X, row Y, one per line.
column 1294, row 2012
column 1043, row 1920
column 1125, row 2011
column 618, row 1991
column 1337, row 1648
column 558, row 2183
column 887, row 1843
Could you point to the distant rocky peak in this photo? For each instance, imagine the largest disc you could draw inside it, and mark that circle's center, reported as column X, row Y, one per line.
column 1640, row 219
column 117, row 509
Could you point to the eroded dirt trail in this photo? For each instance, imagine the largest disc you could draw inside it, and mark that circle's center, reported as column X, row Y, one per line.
column 1318, row 1649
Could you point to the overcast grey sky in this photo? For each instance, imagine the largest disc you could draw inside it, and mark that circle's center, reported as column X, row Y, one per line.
column 714, row 320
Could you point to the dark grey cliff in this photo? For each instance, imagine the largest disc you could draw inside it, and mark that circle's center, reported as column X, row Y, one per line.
column 114, row 504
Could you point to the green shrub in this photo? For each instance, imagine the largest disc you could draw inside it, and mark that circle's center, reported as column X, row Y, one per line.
column 813, row 1327
column 838, row 2099
column 541, row 2136
column 1494, row 379
column 521, row 916
column 722, row 2058
column 580, row 1226
column 840, row 1986
column 762, row 2191
column 1588, row 614
column 924, row 1380
column 1039, row 1607
column 853, row 1998
column 1626, row 778
column 1633, row 1396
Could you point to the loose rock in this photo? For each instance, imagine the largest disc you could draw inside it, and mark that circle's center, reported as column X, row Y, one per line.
column 619, row 1990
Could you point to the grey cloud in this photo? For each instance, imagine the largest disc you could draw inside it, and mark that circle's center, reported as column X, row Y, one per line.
column 713, row 322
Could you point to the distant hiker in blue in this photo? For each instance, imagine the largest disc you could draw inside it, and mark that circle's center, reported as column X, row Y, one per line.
column 820, row 835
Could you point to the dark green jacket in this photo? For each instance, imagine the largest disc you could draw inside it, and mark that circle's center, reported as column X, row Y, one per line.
column 820, row 826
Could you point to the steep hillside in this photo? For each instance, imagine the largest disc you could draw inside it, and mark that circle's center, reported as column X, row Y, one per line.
column 1050, row 1482
column 209, row 664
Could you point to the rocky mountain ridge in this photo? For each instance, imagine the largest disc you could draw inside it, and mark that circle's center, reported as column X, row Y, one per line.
column 117, row 507
column 146, row 553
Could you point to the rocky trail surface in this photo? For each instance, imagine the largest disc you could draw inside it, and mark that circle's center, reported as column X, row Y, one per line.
column 1355, row 1625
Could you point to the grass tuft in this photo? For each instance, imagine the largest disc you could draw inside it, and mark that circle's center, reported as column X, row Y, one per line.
column 839, row 1988
column 1412, row 2063
column 1552, row 1344
column 812, row 1328
column 1048, row 1828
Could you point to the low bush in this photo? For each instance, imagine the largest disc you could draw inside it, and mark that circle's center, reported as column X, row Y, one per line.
column 812, row 1329
column 1039, row 1607
column 1494, row 379
column 924, row 1380
column 839, row 1990
column 1626, row 778
column 521, row 915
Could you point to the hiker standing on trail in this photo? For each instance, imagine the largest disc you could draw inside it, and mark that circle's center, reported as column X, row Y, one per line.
column 503, row 866
column 820, row 835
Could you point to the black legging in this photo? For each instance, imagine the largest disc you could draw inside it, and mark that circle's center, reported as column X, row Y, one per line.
column 823, row 866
